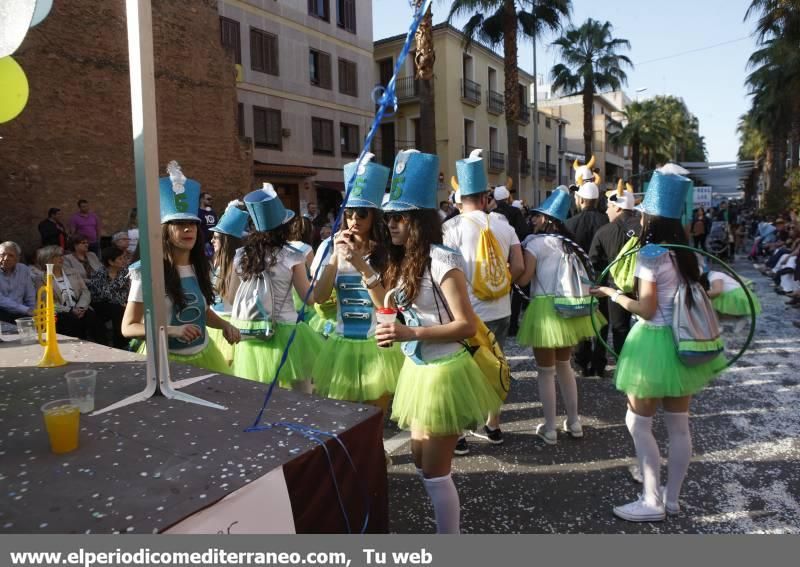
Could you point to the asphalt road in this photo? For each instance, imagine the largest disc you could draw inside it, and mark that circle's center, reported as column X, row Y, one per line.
column 744, row 476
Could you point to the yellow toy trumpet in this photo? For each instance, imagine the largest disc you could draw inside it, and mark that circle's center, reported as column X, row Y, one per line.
column 44, row 317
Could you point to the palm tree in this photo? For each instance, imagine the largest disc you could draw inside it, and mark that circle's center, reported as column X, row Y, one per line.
column 495, row 21
column 591, row 62
column 424, row 58
column 644, row 129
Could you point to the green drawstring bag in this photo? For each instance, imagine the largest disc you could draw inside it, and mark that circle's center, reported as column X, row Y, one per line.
column 622, row 271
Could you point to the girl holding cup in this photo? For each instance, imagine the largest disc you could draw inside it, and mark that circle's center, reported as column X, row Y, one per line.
column 441, row 391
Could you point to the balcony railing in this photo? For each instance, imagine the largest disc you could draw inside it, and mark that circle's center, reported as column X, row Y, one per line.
column 524, row 114
column 407, row 88
column 547, row 170
column 497, row 161
column 466, row 150
column 525, row 166
column 470, row 91
column 495, row 102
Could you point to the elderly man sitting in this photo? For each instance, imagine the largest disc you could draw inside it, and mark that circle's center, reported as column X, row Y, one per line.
column 17, row 294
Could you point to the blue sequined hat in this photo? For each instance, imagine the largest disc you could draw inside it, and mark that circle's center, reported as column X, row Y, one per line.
column 179, row 196
column 414, row 179
column 369, row 185
column 557, row 204
column 266, row 208
column 666, row 195
column 233, row 221
column 472, row 175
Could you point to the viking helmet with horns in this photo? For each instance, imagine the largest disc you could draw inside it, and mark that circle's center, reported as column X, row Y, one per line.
column 584, row 173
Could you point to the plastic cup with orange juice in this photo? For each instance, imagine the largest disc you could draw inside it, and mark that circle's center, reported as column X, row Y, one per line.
column 62, row 420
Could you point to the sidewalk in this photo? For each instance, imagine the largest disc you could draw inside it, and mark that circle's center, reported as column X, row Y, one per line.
column 744, row 476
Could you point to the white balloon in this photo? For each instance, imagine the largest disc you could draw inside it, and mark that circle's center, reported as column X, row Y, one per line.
column 15, row 19
column 43, row 8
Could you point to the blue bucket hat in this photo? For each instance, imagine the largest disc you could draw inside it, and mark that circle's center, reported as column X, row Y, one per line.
column 369, row 185
column 233, row 221
column 414, row 179
column 472, row 175
column 666, row 195
column 179, row 196
column 557, row 204
column 266, row 208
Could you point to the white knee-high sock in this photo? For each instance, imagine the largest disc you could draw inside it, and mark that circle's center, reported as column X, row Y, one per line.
column 547, row 395
column 446, row 505
column 641, row 429
column 569, row 389
column 680, row 452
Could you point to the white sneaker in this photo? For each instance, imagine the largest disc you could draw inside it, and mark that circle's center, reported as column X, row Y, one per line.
column 549, row 437
column 671, row 508
column 640, row 511
column 575, row 430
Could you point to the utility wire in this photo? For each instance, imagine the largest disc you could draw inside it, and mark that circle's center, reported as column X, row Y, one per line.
column 691, row 51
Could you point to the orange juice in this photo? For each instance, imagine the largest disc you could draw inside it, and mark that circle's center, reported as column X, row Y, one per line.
column 62, row 420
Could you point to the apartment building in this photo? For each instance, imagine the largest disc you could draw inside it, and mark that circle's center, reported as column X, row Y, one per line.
column 469, row 107
column 305, row 75
column 607, row 119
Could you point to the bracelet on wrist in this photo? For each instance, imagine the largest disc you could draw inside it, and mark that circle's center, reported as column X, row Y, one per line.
column 615, row 296
column 371, row 281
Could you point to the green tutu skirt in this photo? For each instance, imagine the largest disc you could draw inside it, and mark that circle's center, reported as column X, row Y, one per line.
column 443, row 397
column 542, row 327
column 216, row 337
column 356, row 370
column 735, row 303
column 298, row 305
column 321, row 325
column 258, row 360
column 649, row 367
column 210, row 358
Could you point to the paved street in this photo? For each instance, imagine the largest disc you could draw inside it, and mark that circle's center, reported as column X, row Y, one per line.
column 744, row 476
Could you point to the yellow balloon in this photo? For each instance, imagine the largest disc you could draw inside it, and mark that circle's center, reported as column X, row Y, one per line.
column 13, row 89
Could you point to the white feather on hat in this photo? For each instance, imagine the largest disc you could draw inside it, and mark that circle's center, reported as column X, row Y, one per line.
column 673, row 169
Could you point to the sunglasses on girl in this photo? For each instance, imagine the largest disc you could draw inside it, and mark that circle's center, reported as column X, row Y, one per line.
column 396, row 217
column 360, row 212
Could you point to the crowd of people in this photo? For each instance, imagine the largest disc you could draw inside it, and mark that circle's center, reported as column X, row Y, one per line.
column 236, row 283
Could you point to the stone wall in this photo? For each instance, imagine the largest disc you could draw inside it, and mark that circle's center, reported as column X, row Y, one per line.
column 73, row 140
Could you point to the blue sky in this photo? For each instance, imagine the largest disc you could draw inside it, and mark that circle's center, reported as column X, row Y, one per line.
column 710, row 80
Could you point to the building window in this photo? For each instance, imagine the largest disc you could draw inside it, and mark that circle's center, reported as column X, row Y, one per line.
column 547, row 123
column 322, row 136
column 319, row 67
column 385, row 70
column 346, row 14
column 349, row 135
column 240, row 119
column 229, row 36
column 320, row 9
column 267, row 128
column 263, row 52
column 348, row 77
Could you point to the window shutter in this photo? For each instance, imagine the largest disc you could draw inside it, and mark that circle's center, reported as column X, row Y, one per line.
column 256, row 50
column 259, row 126
column 325, row 70
column 272, row 55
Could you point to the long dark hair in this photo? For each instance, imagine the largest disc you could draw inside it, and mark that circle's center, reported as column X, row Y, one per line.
column 224, row 260
column 661, row 230
column 378, row 240
column 261, row 250
column 554, row 226
column 198, row 260
column 408, row 263
column 301, row 229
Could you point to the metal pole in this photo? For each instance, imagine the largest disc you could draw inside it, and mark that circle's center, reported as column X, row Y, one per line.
column 535, row 164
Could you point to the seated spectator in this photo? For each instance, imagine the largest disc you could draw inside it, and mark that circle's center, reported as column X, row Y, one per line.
column 52, row 230
column 109, row 287
column 81, row 260
column 17, row 294
column 121, row 241
column 74, row 316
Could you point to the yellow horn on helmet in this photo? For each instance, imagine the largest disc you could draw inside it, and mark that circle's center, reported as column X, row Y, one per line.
column 590, row 164
column 629, row 187
column 509, row 183
column 575, row 165
column 597, row 179
column 620, row 190
column 454, row 183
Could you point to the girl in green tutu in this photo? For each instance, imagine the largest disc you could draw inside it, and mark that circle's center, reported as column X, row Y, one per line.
column 441, row 391
column 649, row 370
column 351, row 366
column 299, row 237
column 728, row 297
column 267, row 261
column 552, row 336
column 188, row 281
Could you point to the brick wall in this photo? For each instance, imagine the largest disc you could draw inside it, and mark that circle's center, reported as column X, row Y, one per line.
column 73, row 140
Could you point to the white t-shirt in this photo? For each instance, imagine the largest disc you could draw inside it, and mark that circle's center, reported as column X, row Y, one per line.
column 728, row 283
column 68, row 299
column 661, row 270
column 281, row 280
column 443, row 261
column 136, row 295
column 462, row 233
column 549, row 253
column 306, row 249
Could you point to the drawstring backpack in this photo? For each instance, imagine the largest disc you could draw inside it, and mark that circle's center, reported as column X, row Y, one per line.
column 623, row 270
column 492, row 278
column 695, row 328
column 254, row 307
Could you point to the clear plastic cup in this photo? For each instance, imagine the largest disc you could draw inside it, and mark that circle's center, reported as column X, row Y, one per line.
column 62, row 421
column 27, row 331
column 80, row 385
column 385, row 315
